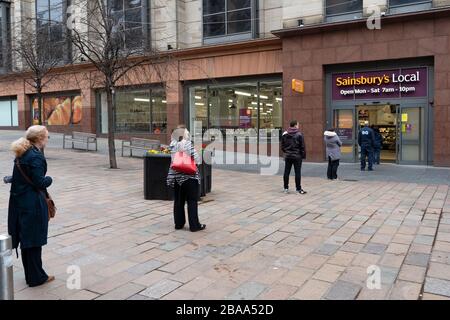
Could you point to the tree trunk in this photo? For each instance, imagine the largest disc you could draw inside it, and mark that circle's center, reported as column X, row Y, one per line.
column 111, row 143
column 41, row 114
column 39, row 97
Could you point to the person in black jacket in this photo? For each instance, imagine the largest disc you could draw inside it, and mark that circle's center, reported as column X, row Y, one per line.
column 293, row 147
column 28, row 212
column 378, row 145
column 366, row 140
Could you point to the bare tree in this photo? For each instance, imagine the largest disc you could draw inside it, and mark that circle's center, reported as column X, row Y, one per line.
column 35, row 57
column 103, row 37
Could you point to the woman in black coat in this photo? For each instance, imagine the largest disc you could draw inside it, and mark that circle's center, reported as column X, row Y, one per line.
column 28, row 212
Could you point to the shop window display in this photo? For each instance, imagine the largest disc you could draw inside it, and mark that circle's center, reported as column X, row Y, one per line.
column 59, row 110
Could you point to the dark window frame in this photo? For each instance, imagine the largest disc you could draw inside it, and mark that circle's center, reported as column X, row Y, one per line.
column 67, row 48
column 419, row 5
column 5, row 36
column 238, row 36
column 145, row 21
column 348, row 15
column 412, row 3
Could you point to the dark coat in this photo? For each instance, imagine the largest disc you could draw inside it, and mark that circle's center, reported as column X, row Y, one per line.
column 378, row 140
column 293, row 145
column 27, row 212
column 366, row 138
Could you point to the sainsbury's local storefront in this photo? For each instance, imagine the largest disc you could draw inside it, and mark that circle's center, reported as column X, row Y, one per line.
column 394, row 97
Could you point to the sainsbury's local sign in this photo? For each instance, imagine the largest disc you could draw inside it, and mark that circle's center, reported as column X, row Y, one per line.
column 384, row 84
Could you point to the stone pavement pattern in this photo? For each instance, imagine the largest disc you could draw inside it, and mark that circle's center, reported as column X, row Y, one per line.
column 259, row 243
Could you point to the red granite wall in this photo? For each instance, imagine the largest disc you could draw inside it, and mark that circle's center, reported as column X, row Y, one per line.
column 304, row 57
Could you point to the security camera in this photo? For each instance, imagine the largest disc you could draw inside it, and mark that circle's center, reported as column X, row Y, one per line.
column 383, row 13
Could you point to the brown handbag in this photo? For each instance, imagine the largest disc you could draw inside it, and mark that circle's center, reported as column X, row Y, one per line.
column 50, row 203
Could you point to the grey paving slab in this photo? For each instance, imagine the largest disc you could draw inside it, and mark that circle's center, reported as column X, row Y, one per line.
column 247, row 291
column 374, row 248
column 437, row 286
column 417, row 259
column 258, row 242
column 342, row 290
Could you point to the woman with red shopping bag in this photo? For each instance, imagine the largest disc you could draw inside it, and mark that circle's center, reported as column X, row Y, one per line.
column 184, row 178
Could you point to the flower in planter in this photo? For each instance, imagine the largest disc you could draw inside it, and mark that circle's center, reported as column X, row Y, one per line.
column 162, row 150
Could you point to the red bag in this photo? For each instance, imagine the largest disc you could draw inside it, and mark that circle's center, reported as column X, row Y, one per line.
column 184, row 163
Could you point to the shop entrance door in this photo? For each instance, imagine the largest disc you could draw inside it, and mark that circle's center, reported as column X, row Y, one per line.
column 344, row 122
column 411, row 131
column 384, row 118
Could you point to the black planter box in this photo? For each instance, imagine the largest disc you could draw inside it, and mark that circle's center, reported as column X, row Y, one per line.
column 156, row 167
column 205, row 172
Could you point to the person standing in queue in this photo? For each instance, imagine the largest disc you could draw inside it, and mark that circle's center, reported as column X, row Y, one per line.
column 366, row 140
column 186, row 186
column 293, row 147
column 333, row 148
column 378, row 145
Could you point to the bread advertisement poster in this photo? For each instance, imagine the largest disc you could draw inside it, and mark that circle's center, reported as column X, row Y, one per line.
column 59, row 111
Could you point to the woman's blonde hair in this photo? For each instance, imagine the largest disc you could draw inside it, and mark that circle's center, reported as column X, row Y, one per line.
column 33, row 135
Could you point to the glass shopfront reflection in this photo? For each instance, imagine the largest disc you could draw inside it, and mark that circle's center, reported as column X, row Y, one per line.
column 137, row 111
column 241, row 105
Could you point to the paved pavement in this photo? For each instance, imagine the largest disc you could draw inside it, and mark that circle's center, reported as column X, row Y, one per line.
column 259, row 243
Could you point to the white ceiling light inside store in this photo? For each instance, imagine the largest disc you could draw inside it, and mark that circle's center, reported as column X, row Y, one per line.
column 198, row 98
column 242, row 93
column 141, row 100
column 199, row 104
column 164, row 101
column 279, row 99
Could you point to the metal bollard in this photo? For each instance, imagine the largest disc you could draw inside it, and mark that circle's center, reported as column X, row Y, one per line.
column 6, row 268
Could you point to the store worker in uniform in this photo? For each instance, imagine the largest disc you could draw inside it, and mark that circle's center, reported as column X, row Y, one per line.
column 366, row 140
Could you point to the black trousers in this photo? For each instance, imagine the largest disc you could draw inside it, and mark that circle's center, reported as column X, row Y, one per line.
column 288, row 163
column 366, row 152
column 187, row 192
column 332, row 168
column 32, row 265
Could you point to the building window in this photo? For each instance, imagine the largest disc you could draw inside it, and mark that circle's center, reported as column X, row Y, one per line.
column 131, row 17
column 137, row 110
column 229, row 20
column 402, row 6
column 51, row 27
column 58, row 110
column 9, row 113
column 338, row 10
column 241, row 105
column 5, row 37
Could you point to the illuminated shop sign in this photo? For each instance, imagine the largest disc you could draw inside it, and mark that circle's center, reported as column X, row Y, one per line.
column 384, row 84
